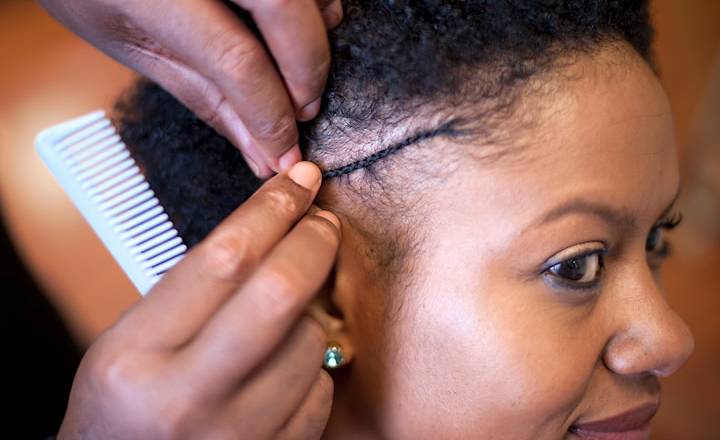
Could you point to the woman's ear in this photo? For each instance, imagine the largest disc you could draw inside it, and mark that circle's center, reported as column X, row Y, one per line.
column 329, row 316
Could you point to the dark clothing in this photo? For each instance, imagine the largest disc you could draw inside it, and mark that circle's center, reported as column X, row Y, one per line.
column 39, row 358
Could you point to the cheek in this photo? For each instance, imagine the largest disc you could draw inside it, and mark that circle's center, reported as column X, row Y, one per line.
column 490, row 359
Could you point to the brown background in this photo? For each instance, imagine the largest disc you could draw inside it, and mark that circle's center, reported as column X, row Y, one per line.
column 48, row 75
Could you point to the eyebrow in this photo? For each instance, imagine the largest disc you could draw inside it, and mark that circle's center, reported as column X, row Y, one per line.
column 625, row 219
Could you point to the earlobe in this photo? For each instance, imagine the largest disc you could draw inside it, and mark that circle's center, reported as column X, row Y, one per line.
column 339, row 349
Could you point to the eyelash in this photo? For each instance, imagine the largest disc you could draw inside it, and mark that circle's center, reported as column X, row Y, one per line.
column 567, row 284
column 656, row 257
column 660, row 254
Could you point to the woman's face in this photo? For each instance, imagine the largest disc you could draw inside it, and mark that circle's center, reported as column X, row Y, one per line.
column 536, row 303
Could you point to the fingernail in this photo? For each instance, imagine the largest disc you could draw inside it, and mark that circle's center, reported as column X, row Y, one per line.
column 305, row 174
column 289, row 158
column 252, row 165
column 309, row 111
column 329, row 216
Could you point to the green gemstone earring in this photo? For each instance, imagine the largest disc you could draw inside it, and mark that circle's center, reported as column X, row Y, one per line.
column 333, row 356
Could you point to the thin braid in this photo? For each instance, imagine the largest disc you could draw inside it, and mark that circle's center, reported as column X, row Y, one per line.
column 445, row 129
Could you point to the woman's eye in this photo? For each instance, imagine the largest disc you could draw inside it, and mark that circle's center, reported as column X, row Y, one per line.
column 580, row 270
column 579, row 267
column 655, row 240
column 656, row 246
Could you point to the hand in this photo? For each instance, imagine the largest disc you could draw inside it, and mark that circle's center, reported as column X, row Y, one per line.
column 202, row 53
column 218, row 348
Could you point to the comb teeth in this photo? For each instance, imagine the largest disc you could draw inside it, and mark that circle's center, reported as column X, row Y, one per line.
column 94, row 167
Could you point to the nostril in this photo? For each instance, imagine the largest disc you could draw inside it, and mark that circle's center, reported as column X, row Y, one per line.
column 625, row 356
column 659, row 350
column 678, row 351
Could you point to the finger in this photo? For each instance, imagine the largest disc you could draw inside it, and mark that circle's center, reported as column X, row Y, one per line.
column 256, row 319
column 193, row 89
column 332, row 12
column 185, row 298
column 311, row 418
column 284, row 379
column 297, row 38
column 222, row 49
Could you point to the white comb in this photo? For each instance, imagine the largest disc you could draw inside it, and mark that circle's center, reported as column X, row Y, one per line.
column 95, row 169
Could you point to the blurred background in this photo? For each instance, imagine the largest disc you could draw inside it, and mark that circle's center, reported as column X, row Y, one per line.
column 48, row 252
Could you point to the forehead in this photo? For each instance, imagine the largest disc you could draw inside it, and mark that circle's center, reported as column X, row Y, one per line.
column 604, row 133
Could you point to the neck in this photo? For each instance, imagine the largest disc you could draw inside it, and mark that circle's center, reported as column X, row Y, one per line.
column 349, row 419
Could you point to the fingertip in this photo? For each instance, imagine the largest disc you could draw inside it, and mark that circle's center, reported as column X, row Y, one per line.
column 306, row 174
column 289, row 158
column 329, row 216
column 309, row 111
column 238, row 136
column 332, row 14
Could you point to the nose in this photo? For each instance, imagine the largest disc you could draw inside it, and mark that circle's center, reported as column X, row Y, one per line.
column 650, row 338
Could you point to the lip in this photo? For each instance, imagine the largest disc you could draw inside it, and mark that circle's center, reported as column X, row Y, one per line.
column 633, row 424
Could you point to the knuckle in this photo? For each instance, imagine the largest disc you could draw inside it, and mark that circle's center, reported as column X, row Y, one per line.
column 326, row 231
column 278, row 294
column 278, row 130
column 112, row 371
column 228, row 254
column 308, row 83
column 282, row 201
column 317, row 76
column 122, row 376
column 237, row 58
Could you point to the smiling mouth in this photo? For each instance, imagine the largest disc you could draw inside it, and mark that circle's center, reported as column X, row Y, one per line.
column 630, row 425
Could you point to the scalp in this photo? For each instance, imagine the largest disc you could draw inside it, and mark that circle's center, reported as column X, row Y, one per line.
column 398, row 67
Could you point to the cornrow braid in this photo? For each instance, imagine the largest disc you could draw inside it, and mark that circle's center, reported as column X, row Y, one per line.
column 390, row 60
column 446, row 129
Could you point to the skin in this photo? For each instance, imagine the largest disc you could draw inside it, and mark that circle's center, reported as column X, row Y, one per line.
column 211, row 347
column 476, row 341
column 250, row 92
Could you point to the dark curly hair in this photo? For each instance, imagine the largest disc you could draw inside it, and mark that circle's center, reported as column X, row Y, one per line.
column 401, row 69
